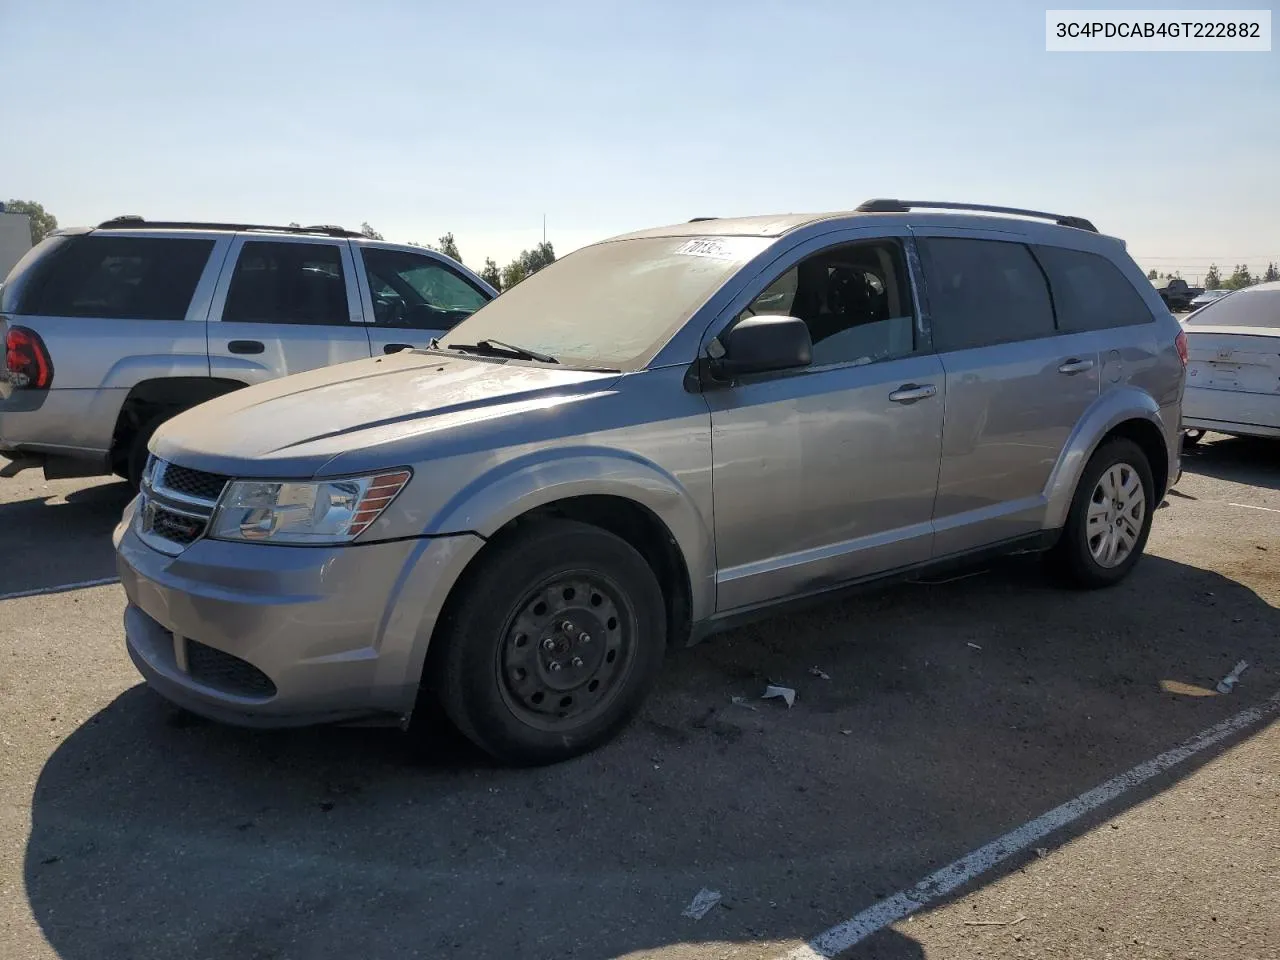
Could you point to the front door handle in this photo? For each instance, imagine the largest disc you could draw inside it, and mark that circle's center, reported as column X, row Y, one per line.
column 1075, row 365
column 397, row 347
column 911, row 392
column 245, row 346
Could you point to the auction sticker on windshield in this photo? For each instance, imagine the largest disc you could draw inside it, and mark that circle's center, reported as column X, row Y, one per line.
column 720, row 248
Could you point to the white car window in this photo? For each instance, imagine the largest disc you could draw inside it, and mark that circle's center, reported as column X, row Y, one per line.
column 1250, row 307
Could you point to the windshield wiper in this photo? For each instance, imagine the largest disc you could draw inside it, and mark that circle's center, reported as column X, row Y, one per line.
column 491, row 346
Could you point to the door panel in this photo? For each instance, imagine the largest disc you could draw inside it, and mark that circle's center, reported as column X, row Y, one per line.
column 820, row 478
column 285, row 305
column 1016, row 387
column 1010, row 410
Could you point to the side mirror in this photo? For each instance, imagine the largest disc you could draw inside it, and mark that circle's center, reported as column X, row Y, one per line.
column 761, row 344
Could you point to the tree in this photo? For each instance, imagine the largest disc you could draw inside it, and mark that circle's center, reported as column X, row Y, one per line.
column 449, row 248
column 1240, row 278
column 1272, row 274
column 529, row 262
column 1213, row 279
column 1153, row 274
column 43, row 222
column 368, row 231
column 295, row 224
column 491, row 274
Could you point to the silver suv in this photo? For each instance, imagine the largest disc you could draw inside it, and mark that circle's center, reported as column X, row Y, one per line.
column 648, row 441
column 110, row 331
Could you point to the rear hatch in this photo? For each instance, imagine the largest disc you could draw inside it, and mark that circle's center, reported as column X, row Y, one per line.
column 1234, row 343
column 1234, row 360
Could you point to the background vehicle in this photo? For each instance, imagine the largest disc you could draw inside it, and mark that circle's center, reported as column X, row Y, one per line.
column 1233, row 377
column 15, row 239
column 532, row 500
column 1207, row 297
column 1176, row 293
column 112, row 330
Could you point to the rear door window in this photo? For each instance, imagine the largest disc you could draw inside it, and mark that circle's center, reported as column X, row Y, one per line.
column 417, row 292
column 136, row 278
column 984, row 292
column 1089, row 292
column 300, row 283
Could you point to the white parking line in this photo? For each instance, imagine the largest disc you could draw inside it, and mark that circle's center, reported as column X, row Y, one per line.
column 832, row 942
column 61, row 588
column 1250, row 506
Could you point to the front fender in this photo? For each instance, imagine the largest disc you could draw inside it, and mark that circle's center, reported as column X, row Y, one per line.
column 514, row 488
column 1107, row 412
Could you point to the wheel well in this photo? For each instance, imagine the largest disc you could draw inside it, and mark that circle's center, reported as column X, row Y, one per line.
column 1151, row 441
column 162, row 397
column 641, row 528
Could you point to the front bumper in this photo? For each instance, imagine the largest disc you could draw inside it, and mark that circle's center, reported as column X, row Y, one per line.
column 260, row 635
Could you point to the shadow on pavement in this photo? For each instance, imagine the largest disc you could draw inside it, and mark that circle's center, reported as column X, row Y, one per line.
column 51, row 541
column 1247, row 460
column 953, row 714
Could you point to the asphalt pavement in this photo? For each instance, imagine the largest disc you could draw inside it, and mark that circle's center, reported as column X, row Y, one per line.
column 956, row 714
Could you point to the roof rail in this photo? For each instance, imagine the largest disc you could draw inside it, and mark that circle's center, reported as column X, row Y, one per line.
column 701, row 219
column 882, row 205
column 132, row 221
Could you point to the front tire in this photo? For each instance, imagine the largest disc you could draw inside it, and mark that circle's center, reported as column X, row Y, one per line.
column 552, row 644
column 1110, row 517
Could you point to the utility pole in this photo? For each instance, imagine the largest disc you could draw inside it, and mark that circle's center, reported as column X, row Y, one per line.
column 544, row 228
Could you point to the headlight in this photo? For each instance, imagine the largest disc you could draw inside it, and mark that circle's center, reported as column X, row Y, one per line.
column 320, row 511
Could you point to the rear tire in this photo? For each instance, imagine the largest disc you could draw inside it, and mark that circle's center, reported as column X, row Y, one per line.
column 137, row 458
column 1110, row 517
column 551, row 645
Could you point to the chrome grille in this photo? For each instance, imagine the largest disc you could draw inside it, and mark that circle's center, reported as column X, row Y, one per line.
column 177, row 503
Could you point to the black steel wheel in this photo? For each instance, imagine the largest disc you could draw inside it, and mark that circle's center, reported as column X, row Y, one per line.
column 567, row 649
column 550, row 644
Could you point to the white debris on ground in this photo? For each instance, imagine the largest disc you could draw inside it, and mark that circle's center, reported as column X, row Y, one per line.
column 773, row 691
column 701, row 904
column 1231, row 679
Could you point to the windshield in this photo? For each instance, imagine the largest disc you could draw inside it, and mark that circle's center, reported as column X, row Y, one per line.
column 1244, row 308
column 612, row 305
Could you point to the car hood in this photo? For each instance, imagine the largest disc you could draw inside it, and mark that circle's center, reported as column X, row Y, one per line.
column 294, row 426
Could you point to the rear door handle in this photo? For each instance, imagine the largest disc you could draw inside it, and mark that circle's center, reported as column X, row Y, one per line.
column 396, row 347
column 1075, row 366
column 911, row 392
column 245, row 346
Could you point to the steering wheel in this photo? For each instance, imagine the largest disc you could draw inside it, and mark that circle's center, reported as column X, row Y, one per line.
column 389, row 310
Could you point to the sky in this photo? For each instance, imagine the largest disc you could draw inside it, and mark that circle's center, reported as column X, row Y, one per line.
column 479, row 118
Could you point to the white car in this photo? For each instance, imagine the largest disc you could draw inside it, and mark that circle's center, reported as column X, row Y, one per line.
column 1233, row 373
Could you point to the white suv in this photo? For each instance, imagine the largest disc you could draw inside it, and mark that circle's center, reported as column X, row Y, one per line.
column 110, row 331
